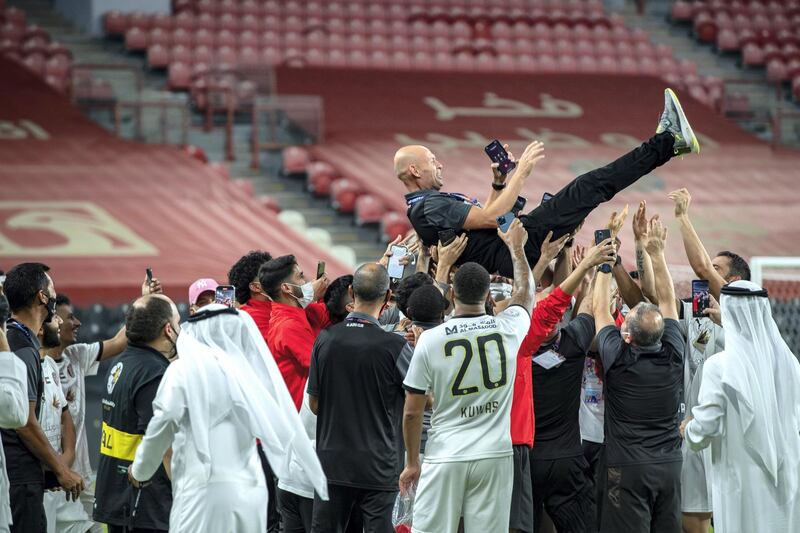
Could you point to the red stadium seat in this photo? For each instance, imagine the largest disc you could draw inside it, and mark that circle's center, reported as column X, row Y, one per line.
column 157, row 56
column 159, row 36
column 135, row 39
column 115, row 23
column 14, row 16
column 344, row 194
column 179, row 77
column 207, row 21
column 35, row 63
column 357, row 59
column 394, row 224
column 320, row 177
column 249, row 57
column 270, row 203
column 337, row 58
column 727, row 40
column 752, row 54
column 185, row 20
column 140, row 20
column 203, row 54
column 368, row 210
column 401, row 60
column 181, row 54
column 58, row 66
column 295, row 160
column 162, row 20
column 776, row 70
column 248, row 38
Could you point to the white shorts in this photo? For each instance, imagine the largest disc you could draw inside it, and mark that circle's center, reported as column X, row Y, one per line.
column 65, row 516
column 695, row 489
column 479, row 490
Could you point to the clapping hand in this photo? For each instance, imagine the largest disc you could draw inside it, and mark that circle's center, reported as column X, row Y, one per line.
column 682, row 199
column 656, row 236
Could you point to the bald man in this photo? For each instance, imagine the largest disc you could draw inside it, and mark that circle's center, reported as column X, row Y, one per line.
column 152, row 328
column 431, row 211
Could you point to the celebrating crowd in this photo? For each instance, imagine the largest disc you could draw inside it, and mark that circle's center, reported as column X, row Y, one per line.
column 507, row 373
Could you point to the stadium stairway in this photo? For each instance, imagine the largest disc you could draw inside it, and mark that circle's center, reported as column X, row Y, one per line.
column 655, row 21
column 289, row 192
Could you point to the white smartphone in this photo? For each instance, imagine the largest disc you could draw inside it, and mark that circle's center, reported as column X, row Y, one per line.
column 395, row 269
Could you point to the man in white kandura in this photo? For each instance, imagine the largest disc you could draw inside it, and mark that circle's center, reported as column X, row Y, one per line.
column 469, row 364
column 224, row 392
column 749, row 413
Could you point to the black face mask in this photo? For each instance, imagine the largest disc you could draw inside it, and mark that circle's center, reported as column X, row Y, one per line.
column 51, row 309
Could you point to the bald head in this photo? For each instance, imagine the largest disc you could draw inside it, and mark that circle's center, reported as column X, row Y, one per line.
column 645, row 325
column 147, row 317
column 370, row 283
column 416, row 166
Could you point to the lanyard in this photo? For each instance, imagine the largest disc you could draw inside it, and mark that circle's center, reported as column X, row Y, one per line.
column 20, row 327
column 554, row 346
column 458, row 196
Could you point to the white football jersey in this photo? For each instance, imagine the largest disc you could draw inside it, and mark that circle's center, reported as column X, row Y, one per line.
column 469, row 364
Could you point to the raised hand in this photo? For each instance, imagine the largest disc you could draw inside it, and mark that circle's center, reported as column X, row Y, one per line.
column 682, row 200
column 516, row 236
column 617, row 220
column 551, row 249
column 449, row 254
column 600, row 254
column 713, row 311
column 578, row 253
column 499, row 177
column 533, row 153
column 656, row 236
column 151, row 287
column 384, row 260
column 640, row 222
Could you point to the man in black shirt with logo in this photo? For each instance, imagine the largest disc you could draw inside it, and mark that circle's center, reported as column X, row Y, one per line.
column 559, row 473
column 431, row 211
column 152, row 329
column 32, row 300
column 355, row 389
column 643, row 391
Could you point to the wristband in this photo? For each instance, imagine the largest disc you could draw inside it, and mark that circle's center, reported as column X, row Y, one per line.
column 498, row 186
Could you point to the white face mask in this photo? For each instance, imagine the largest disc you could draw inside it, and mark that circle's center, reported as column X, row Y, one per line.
column 308, row 293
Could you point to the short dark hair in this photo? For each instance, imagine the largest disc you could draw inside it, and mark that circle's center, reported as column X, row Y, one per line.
column 739, row 266
column 335, row 298
column 62, row 299
column 471, row 284
column 641, row 336
column 146, row 318
column 5, row 311
column 426, row 304
column 407, row 287
column 23, row 282
column 274, row 272
column 370, row 282
column 244, row 271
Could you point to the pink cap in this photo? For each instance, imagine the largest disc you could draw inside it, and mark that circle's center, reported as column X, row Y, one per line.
column 199, row 287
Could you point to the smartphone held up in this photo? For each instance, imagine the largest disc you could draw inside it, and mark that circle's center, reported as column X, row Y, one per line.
column 601, row 235
column 225, row 295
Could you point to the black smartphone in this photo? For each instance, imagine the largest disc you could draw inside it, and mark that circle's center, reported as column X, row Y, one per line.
column 498, row 155
column 599, row 236
column 225, row 295
column 446, row 236
column 504, row 221
column 149, row 272
column 320, row 269
column 546, row 197
column 700, row 297
column 519, row 205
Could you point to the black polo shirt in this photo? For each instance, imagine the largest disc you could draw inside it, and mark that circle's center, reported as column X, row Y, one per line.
column 643, row 392
column 557, row 392
column 357, row 371
column 22, row 466
column 431, row 211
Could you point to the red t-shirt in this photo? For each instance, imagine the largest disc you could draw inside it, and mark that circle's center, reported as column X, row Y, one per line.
column 546, row 316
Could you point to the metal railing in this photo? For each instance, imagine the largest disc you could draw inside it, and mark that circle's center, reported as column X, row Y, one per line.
column 280, row 121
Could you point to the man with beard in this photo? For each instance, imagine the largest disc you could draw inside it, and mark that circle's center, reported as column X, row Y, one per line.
column 32, row 300
column 63, row 515
column 76, row 361
column 152, row 328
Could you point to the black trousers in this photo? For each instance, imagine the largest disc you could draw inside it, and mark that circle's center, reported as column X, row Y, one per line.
column 643, row 497
column 296, row 512
column 595, row 455
column 273, row 517
column 572, row 204
column 563, row 488
column 27, row 508
column 374, row 506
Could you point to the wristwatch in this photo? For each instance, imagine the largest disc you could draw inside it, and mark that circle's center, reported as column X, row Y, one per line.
column 498, row 186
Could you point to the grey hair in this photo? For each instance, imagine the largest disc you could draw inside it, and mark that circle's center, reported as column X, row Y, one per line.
column 645, row 331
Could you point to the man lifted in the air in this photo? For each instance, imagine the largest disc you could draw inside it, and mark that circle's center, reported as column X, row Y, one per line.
column 431, row 211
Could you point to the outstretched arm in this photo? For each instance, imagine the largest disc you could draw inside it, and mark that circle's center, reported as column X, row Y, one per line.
column 524, row 285
column 643, row 265
column 698, row 257
column 485, row 218
column 656, row 240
